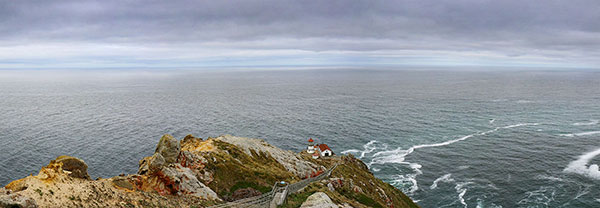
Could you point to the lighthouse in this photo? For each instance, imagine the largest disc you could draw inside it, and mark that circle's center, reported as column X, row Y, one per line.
column 311, row 146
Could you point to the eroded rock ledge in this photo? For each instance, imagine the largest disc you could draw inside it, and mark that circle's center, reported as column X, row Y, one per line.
column 194, row 172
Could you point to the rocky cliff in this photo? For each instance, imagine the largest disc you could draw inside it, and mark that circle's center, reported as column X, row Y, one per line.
column 194, row 172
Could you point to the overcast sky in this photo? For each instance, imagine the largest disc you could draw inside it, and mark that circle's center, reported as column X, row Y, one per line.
column 85, row 34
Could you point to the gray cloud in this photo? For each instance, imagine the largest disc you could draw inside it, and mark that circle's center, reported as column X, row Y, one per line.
column 555, row 31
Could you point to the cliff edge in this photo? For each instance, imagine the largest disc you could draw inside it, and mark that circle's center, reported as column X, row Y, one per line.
column 194, row 172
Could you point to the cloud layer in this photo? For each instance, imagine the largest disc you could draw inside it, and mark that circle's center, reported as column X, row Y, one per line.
column 39, row 34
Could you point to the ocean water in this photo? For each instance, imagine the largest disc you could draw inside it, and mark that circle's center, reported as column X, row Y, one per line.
column 459, row 138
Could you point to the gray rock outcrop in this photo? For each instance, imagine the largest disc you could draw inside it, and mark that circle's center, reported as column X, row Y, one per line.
column 169, row 148
column 318, row 200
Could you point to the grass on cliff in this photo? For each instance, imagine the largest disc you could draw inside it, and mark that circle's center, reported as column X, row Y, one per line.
column 246, row 184
column 295, row 200
column 234, row 169
column 352, row 169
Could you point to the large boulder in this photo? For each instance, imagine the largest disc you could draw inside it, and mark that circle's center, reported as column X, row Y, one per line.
column 318, row 200
column 76, row 166
column 169, row 148
column 151, row 165
column 178, row 179
column 8, row 199
column 167, row 152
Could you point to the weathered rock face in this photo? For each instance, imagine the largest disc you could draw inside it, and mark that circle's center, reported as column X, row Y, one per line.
column 169, row 148
column 167, row 151
column 76, row 166
column 8, row 199
column 150, row 165
column 318, row 200
column 184, row 181
column 165, row 173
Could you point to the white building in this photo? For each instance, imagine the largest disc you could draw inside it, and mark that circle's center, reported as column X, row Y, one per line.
column 325, row 150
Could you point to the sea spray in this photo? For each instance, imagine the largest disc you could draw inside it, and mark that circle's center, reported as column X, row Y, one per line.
column 580, row 166
column 444, row 178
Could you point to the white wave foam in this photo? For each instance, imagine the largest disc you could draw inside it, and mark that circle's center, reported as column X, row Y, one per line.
column 590, row 123
column 541, row 197
column 398, row 155
column 409, row 180
column 350, row 151
column 462, row 167
column 368, row 148
column 547, row 177
column 579, row 166
column 461, row 190
column 587, row 133
column 445, row 178
column 524, row 101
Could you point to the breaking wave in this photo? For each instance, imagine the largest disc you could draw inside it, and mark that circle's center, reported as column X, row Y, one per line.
column 587, row 133
column 462, row 190
column 398, row 155
column 368, row 148
column 590, row 123
column 444, row 178
column 580, row 166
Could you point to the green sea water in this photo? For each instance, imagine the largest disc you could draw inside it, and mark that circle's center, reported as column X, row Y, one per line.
column 447, row 138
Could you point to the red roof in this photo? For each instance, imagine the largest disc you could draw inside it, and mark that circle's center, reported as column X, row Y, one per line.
column 310, row 140
column 324, row 147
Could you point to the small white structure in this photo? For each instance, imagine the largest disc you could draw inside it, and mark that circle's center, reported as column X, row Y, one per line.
column 315, row 155
column 311, row 147
column 325, row 150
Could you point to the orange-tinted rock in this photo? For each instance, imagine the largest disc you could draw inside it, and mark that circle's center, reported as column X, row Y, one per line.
column 76, row 166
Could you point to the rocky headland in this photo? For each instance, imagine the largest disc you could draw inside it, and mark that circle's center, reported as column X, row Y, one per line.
column 195, row 172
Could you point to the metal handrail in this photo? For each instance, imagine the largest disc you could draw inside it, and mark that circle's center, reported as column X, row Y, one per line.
column 265, row 199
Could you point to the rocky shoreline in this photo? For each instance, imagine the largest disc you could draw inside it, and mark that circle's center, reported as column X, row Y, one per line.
column 194, row 172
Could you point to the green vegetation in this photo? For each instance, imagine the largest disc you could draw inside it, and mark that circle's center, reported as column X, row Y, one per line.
column 234, row 169
column 363, row 199
column 366, row 190
column 39, row 192
column 295, row 200
column 246, row 184
column 144, row 203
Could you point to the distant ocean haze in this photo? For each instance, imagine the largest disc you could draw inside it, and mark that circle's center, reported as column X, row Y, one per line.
column 447, row 138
